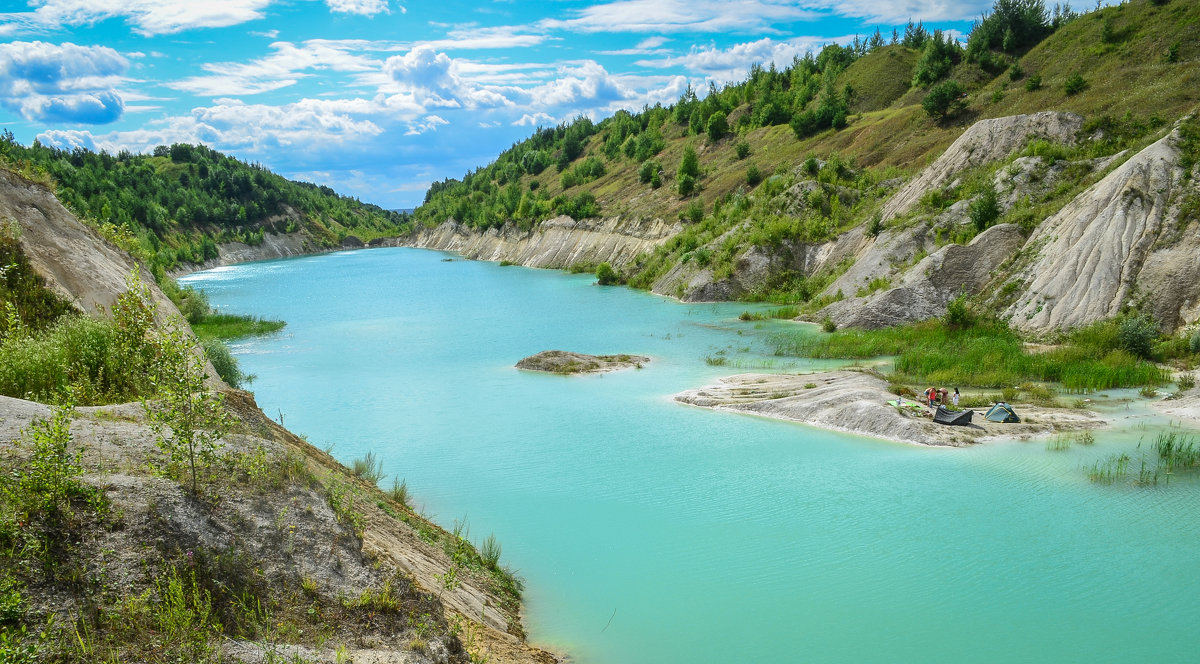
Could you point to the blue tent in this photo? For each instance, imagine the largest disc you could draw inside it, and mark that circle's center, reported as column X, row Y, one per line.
column 1001, row 412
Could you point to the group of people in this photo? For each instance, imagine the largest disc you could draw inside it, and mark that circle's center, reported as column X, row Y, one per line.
column 938, row 395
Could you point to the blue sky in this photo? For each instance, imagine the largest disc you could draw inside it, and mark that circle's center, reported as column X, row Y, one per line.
column 377, row 98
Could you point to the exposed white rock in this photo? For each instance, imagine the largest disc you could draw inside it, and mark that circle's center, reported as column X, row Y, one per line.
column 985, row 141
column 1090, row 253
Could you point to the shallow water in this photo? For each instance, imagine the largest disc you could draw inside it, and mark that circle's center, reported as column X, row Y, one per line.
column 648, row 531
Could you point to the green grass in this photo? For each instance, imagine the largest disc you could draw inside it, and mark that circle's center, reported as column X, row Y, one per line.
column 986, row 355
column 234, row 326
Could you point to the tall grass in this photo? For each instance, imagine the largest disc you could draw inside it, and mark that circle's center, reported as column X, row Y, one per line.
column 1177, row 451
column 986, row 355
column 369, row 468
column 234, row 326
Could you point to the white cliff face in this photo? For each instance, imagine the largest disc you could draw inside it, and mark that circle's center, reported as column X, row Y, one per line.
column 984, row 141
column 1091, row 253
column 556, row 243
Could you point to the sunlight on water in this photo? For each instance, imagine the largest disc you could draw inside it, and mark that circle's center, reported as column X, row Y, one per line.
column 649, row 531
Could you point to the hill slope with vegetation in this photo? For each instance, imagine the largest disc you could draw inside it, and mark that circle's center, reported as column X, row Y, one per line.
column 174, row 206
column 1039, row 180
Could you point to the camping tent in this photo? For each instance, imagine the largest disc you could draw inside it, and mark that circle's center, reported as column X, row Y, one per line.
column 1001, row 412
column 955, row 418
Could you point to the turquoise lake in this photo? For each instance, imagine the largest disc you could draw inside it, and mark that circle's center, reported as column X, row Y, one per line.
column 649, row 531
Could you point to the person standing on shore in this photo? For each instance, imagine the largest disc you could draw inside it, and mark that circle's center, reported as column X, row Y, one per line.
column 956, row 397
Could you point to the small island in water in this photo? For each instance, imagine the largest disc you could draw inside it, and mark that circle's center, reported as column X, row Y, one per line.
column 566, row 362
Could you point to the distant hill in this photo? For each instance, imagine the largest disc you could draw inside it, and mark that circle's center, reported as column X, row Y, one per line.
column 175, row 205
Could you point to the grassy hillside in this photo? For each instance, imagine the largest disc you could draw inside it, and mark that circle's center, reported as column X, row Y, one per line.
column 1139, row 64
column 175, row 205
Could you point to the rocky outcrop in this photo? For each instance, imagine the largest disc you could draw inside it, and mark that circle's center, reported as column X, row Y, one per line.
column 985, row 141
column 75, row 262
column 555, row 243
column 274, row 245
column 566, row 362
column 928, row 287
column 757, row 268
column 1099, row 252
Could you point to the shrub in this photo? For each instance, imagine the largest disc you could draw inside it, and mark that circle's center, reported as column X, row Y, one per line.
column 694, row 212
column 399, row 491
column 1136, row 335
column 1015, row 72
column 742, row 149
column 1033, row 82
column 985, row 209
column 1194, row 342
column 944, row 100
column 1186, row 382
column 224, row 362
column 958, row 316
column 753, row 176
column 875, row 226
column 827, row 324
column 1075, row 84
column 686, row 185
column 648, row 170
column 489, row 551
column 606, row 275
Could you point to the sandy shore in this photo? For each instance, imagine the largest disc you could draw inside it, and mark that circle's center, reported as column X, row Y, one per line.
column 856, row 402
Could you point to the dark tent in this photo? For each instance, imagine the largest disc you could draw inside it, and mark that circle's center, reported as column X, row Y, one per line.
column 1001, row 412
column 954, row 418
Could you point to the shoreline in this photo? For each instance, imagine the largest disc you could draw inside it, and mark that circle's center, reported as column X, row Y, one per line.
column 855, row 402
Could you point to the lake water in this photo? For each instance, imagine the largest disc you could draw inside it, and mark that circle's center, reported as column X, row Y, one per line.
column 649, row 531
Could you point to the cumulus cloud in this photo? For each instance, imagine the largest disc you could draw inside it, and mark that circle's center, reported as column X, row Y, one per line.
column 428, row 123
column 361, row 7
column 434, row 78
column 61, row 82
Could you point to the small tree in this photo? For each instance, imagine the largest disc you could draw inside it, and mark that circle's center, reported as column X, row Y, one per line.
column 689, row 170
column 188, row 419
column 1075, row 84
column 718, row 125
column 50, row 477
column 742, row 149
column 944, row 100
column 1137, row 334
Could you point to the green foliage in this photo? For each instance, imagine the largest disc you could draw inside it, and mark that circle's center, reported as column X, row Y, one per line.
column 368, row 468
column 986, row 354
column 50, row 479
column 944, row 100
column 195, row 417
column 489, row 551
column 694, row 212
column 176, row 204
column 940, row 54
column 827, row 325
column 1075, row 84
column 718, row 126
column 958, row 315
column 28, row 304
column 399, row 491
column 225, row 364
column 1194, row 342
column 1136, row 334
column 590, row 169
column 93, row 360
column 742, row 149
column 985, row 209
column 753, row 175
column 1034, row 82
column 648, row 170
column 1013, row 26
column 606, row 275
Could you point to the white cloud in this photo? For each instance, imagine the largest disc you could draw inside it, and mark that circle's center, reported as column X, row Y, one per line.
column 733, row 63
column 361, row 7
column 535, row 120
column 434, row 78
column 278, row 70
column 428, row 123
column 473, row 37
column 682, row 16
column 147, row 17
column 62, row 82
